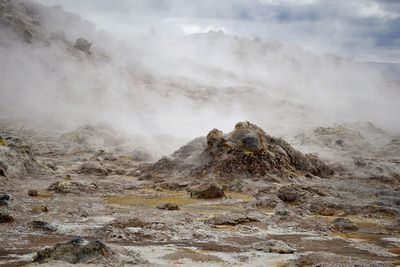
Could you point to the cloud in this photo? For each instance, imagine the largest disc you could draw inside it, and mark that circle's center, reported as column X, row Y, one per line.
column 363, row 29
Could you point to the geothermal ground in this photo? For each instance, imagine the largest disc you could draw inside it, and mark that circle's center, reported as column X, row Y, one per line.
column 98, row 165
column 92, row 206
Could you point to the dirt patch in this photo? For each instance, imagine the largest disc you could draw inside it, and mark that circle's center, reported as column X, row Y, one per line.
column 193, row 255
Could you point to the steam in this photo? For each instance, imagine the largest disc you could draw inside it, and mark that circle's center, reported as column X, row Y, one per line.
column 183, row 86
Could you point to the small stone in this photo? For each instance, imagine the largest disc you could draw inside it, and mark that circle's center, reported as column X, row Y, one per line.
column 3, row 141
column 327, row 212
column 274, row 246
column 33, row 192
column 266, row 202
column 5, row 218
column 5, row 200
column 168, row 206
column 40, row 208
column 319, row 207
column 5, row 197
column 3, row 169
column 43, row 226
column 230, row 219
column 60, row 186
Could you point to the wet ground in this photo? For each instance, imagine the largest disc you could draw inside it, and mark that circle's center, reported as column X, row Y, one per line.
column 122, row 210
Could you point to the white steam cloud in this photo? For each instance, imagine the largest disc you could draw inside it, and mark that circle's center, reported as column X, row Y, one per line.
column 182, row 86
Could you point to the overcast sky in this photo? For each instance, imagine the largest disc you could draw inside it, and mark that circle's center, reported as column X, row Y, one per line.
column 362, row 29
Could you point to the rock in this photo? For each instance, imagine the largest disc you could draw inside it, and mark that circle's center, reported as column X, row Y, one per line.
column 40, row 208
column 66, row 186
column 168, row 206
column 5, row 199
column 266, row 202
column 248, row 137
column 207, row 191
column 379, row 209
column 3, row 169
column 33, row 192
column 290, row 193
column 319, row 207
column 343, row 225
column 57, row 35
column 3, row 141
column 75, row 251
column 60, row 186
column 230, row 219
column 5, row 218
column 17, row 158
column 3, row 172
column 83, row 45
column 326, row 211
column 215, row 140
column 94, row 168
column 274, row 246
column 41, row 225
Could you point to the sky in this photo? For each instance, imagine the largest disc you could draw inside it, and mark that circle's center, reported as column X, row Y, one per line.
column 360, row 29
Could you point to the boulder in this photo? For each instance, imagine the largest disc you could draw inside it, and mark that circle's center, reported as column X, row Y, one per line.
column 83, row 45
column 207, row 191
column 248, row 137
column 290, row 193
column 215, row 140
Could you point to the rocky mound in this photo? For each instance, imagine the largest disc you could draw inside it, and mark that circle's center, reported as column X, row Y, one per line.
column 357, row 137
column 74, row 251
column 246, row 152
column 337, row 137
